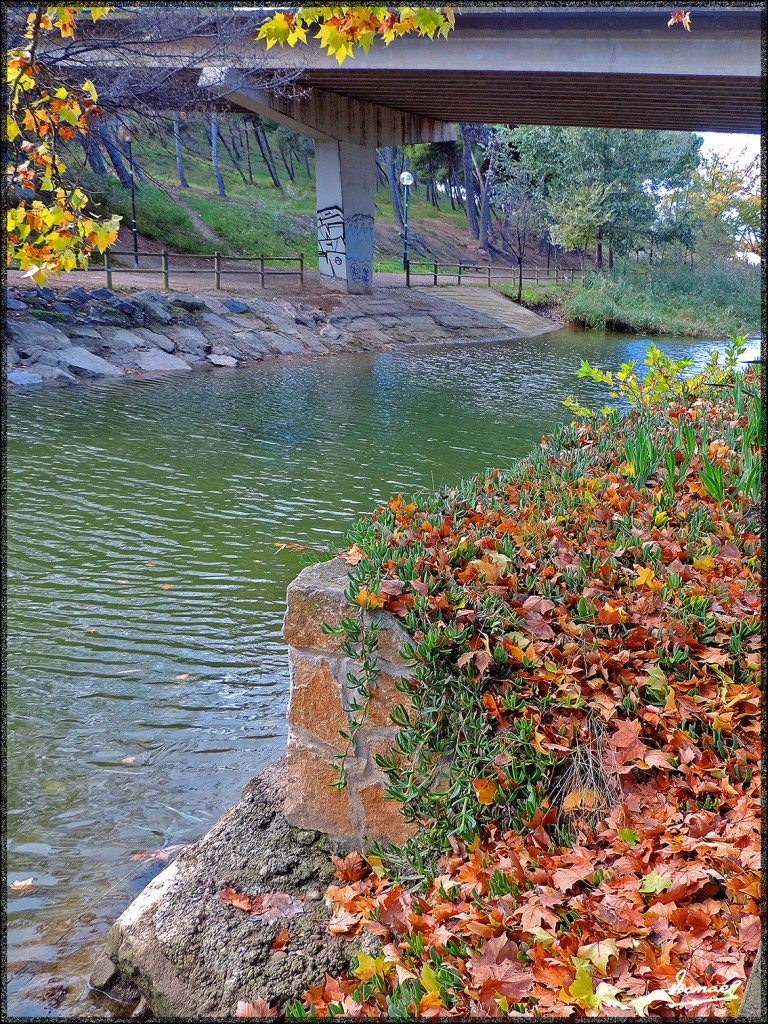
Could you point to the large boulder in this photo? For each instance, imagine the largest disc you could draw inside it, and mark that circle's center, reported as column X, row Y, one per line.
column 155, row 361
column 188, row 955
column 156, row 305
column 86, row 364
column 22, row 376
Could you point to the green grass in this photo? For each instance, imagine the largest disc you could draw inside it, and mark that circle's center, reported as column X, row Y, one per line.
column 713, row 301
column 157, row 215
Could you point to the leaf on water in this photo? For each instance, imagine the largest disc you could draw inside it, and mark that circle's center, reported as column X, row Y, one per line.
column 22, row 884
column 128, row 760
column 680, row 18
column 183, row 676
column 163, row 855
column 165, row 586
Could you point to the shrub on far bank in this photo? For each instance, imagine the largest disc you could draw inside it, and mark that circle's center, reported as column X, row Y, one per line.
column 716, row 300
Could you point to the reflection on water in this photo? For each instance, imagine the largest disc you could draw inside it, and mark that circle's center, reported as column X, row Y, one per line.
column 146, row 594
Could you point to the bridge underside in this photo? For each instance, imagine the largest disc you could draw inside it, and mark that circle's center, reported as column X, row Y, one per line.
column 605, row 100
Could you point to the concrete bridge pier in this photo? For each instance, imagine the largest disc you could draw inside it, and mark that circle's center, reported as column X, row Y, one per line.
column 346, row 132
column 345, row 183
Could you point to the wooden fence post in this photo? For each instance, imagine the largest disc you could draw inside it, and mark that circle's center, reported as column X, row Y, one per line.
column 407, row 273
column 164, row 264
column 108, row 268
column 217, row 271
column 434, row 280
column 301, row 267
column 537, row 275
column 459, row 274
column 261, row 269
column 489, row 275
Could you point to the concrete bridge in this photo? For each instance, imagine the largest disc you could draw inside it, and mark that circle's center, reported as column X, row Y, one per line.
column 616, row 67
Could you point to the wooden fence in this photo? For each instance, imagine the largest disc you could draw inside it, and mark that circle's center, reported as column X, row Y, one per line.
column 219, row 265
column 488, row 273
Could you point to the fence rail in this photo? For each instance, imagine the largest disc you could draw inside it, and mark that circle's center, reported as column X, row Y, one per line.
column 219, row 266
column 491, row 272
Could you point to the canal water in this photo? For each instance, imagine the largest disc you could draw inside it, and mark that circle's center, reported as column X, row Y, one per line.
column 146, row 677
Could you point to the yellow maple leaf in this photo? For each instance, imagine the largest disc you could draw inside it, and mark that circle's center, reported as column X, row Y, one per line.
column 645, row 577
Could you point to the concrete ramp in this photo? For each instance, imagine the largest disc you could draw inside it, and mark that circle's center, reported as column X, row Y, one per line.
column 523, row 321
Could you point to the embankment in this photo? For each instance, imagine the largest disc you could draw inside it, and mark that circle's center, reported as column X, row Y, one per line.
column 67, row 337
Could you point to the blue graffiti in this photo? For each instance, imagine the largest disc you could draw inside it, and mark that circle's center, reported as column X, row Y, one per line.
column 358, row 240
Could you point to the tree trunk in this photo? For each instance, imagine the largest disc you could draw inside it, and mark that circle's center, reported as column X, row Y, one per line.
column 457, row 191
column 177, row 139
column 247, row 148
column 519, row 279
column 390, row 155
column 266, row 153
column 381, row 171
column 234, row 143
column 610, row 256
column 215, row 153
column 486, row 228
column 469, row 185
column 288, row 169
column 92, row 152
column 599, row 255
column 232, row 159
column 114, row 155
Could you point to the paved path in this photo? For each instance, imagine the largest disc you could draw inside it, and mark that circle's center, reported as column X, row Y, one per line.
column 486, row 300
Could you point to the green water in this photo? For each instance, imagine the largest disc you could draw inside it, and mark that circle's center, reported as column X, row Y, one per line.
column 179, row 664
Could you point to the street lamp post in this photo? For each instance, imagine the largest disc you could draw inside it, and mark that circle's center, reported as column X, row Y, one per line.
column 406, row 180
column 127, row 134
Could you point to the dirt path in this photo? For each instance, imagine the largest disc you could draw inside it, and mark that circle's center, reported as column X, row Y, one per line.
column 201, row 227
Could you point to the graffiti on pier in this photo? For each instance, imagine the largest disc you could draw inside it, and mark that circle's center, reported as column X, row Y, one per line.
column 332, row 253
column 358, row 236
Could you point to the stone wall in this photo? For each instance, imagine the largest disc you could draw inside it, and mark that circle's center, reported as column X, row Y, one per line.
column 320, row 697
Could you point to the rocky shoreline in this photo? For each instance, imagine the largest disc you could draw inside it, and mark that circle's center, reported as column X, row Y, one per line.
column 74, row 335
